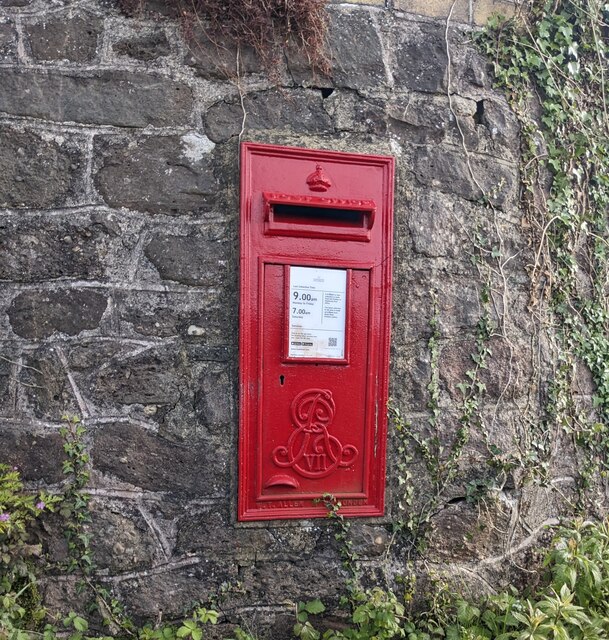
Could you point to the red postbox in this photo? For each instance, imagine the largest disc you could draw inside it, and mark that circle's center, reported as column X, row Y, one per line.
column 316, row 256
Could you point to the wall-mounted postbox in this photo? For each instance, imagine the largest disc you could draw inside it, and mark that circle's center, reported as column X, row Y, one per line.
column 316, row 255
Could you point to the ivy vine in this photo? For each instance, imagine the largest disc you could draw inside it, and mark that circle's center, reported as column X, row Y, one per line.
column 551, row 60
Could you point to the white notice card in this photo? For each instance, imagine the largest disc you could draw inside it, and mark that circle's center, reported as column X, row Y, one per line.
column 317, row 313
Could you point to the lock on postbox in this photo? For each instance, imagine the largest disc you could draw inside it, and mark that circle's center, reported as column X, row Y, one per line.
column 316, row 256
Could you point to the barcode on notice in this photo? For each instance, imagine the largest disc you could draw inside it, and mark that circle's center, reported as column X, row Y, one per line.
column 332, row 342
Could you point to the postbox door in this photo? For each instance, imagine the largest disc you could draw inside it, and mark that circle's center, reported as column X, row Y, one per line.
column 314, row 413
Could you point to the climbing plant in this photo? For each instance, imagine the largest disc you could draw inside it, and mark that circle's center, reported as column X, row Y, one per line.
column 551, row 59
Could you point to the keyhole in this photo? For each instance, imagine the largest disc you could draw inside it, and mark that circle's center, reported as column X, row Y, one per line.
column 281, row 380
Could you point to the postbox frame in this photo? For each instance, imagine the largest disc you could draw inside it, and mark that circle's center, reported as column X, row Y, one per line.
column 376, row 229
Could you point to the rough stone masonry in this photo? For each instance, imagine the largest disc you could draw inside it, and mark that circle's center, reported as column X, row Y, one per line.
column 118, row 230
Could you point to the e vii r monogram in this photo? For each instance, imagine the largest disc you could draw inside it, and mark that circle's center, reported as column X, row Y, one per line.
column 311, row 451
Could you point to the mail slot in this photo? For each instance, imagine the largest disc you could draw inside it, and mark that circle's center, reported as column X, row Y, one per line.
column 316, row 255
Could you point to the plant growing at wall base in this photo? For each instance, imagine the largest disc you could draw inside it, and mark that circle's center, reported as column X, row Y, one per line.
column 376, row 615
column 570, row 603
column 22, row 614
column 20, row 608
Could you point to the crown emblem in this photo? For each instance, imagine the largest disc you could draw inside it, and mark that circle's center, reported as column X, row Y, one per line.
column 318, row 181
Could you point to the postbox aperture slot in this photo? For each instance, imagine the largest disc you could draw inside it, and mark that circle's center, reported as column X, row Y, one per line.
column 316, row 217
column 300, row 214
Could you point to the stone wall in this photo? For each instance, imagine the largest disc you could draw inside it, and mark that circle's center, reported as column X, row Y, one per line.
column 119, row 216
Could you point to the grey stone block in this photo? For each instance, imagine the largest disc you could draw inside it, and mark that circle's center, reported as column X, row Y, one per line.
column 213, row 404
column 458, row 305
column 8, row 371
column 150, row 8
column 438, row 226
column 64, row 38
column 114, row 98
column 39, row 314
column 215, row 57
column 139, row 457
column 39, row 249
column 351, row 112
column 301, row 111
column 145, row 48
column 37, row 456
column 354, row 51
column 44, row 386
column 197, row 527
column 409, row 390
column 165, row 593
column 449, row 170
column 172, row 175
column 453, row 540
column 419, row 118
column 121, row 538
column 8, row 40
column 36, row 171
column 508, row 367
column 146, row 379
column 192, row 260
column 317, row 578
column 208, row 318
column 420, row 57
